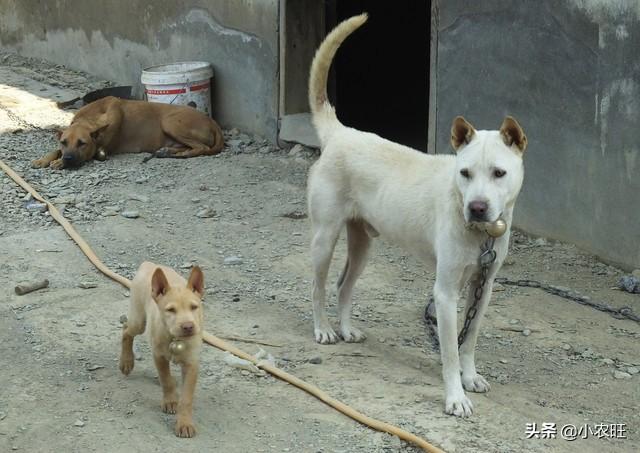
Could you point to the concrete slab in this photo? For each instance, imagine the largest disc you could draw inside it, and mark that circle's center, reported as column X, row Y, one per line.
column 32, row 101
column 297, row 128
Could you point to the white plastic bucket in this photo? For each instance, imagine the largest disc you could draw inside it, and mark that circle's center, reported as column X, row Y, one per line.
column 180, row 83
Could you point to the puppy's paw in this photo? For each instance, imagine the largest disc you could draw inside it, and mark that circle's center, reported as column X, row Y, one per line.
column 459, row 405
column 169, row 406
column 185, row 428
column 475, row 383
column 326, row 335
column 57, row 164
column 352, row 335
column 39, row 163
column 126, row 364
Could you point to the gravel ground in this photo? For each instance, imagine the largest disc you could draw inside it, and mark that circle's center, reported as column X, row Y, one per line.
column 240, row 216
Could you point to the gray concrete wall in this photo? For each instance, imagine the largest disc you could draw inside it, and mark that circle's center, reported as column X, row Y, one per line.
column 116, row 39
column 303, row 28
column 569, row 71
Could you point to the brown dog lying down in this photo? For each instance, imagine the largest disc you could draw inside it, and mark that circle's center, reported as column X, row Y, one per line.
column 171, row 309
column 111, row 125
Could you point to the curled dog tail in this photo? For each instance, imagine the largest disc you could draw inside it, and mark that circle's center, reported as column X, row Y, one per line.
column 322, row 112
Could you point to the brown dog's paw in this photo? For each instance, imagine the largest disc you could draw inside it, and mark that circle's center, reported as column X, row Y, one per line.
column 39, row 163
column 126, row 364
column 163, row 152
column 185, row 429
column 57, row 164
column 169, row 407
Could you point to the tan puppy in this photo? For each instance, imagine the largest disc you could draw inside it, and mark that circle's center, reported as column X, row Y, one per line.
column 111, row 126
column 172, row 308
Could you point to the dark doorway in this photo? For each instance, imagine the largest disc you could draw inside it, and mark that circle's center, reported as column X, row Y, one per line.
column 381, row 73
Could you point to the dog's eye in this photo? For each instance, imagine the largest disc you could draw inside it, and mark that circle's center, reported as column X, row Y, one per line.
column 63, row 142
column 499, row 173
column 194, row 307
column 81, row 143
column 171, row 310
column 465, row 173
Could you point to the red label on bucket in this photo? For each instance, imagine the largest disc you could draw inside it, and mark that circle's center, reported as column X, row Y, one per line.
column 202, row 86
column 176, row 91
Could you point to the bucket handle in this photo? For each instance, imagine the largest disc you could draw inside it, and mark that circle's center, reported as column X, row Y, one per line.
column 186, row 84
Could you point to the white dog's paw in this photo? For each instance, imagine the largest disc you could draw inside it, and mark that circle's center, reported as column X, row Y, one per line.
column 352, row 335
column 326, row 335
column 460, row 406
column 475, row 383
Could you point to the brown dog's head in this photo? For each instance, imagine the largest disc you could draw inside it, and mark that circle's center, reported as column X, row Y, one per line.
column 180, row 307
column 78, row 143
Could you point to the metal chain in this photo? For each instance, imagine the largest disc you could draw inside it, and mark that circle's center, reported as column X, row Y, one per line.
column 431, row 322
column 486, row 259
column 15, row 118
column 618, row 313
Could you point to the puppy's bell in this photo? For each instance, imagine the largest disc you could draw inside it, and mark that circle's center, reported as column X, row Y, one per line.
column 176, row 347
column 102, row 155
column 496, row 229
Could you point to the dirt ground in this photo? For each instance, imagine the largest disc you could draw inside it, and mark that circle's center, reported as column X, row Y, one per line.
column 61, row 389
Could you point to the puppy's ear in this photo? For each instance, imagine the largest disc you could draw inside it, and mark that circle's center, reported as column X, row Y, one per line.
column 196, row 281
column 95, row 135
column 461, row 132
column 159, row 284
column 512, row 134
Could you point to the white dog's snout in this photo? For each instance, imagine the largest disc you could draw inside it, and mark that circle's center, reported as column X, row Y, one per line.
column 478, row 210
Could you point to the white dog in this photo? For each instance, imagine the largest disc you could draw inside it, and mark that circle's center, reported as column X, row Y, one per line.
column 421, row 202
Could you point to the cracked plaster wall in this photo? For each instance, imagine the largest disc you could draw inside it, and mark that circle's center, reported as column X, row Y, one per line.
column 116, row 39
column 569, row 71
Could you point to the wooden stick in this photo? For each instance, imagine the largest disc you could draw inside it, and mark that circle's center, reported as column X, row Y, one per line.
column 250, row 340
column 220, row 344
column 517, row 329
column 353, row 354
column 67, row 227
column 322, row 396
column 27, row 288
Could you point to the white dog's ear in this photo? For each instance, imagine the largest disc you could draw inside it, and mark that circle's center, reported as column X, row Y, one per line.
column 159, row 284
column 512, row 134
column 196, row 281
column 461, row 132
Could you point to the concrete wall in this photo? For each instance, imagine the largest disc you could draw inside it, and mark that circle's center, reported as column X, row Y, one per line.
column 303, row 28
column 569, row 71
column 115, row 39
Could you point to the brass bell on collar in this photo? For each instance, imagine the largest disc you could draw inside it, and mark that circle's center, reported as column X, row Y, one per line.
column 496, row 229
column 177, row 346
column 101, row 155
